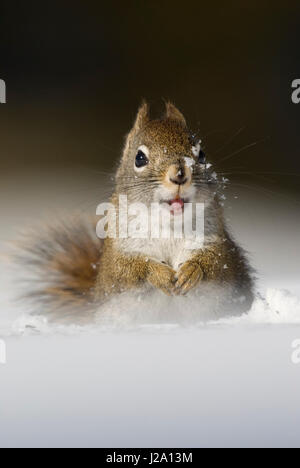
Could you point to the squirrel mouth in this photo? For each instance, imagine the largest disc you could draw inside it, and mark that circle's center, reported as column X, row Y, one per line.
column 176, row 206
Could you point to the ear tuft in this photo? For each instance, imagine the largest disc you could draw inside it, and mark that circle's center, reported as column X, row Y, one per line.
column 141, row 120
column 142, row 117
column 173, row 113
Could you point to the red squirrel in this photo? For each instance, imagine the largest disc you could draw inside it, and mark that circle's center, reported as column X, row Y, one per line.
column 162, row 162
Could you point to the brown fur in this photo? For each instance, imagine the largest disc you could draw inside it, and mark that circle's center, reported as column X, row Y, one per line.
column 223, row 262
column 83, row 269
column 64, row 262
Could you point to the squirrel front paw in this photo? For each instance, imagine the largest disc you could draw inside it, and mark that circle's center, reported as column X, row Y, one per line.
column 187, row 277
column 162, row 277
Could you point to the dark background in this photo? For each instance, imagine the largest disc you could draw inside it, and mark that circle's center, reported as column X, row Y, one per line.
column 76, row 72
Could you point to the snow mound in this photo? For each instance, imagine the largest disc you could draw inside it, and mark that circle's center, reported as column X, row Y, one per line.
column 275, row 307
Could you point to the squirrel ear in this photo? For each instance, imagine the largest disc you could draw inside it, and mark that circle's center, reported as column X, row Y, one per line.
column 141, row 120
column 173, row 113
column 142, row 117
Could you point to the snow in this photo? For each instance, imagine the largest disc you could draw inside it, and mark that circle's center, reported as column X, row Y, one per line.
column 189, row 161
column 196, row 149
column 132, row 379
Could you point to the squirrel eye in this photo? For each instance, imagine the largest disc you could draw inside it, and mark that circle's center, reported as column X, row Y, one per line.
column 202, row 157
column 141, row 159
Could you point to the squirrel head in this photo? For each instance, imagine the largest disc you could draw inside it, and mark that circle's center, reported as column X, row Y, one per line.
column 163, row 160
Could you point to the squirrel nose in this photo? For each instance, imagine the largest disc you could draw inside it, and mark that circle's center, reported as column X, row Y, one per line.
column 177, row 175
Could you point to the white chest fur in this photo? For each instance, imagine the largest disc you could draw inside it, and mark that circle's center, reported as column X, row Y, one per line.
column 171, row 251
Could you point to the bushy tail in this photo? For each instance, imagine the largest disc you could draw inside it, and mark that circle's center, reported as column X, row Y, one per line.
column 62, row 263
